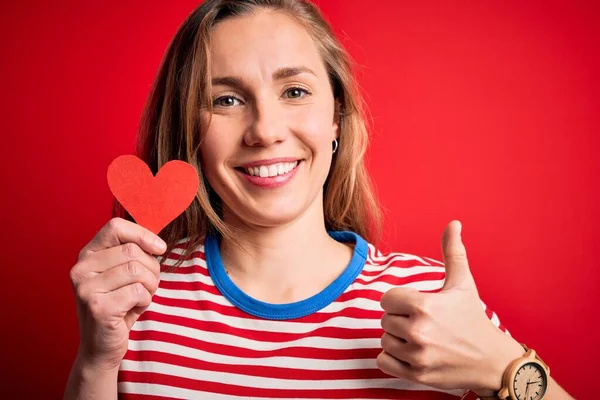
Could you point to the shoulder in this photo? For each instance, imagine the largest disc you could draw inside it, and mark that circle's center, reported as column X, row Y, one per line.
column 184, row 253
column 404, row 269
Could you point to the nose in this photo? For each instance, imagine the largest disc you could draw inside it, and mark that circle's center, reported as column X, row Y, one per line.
column 268, row 126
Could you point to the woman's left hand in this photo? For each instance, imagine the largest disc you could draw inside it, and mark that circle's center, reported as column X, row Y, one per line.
column 445, row 339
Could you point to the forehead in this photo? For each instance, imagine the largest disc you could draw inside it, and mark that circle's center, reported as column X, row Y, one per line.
column 261, row 43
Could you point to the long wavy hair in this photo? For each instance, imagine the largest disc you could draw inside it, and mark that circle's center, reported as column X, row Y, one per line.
column 171, row 127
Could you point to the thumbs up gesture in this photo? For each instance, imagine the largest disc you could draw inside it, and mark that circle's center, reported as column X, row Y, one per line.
column 445, row 340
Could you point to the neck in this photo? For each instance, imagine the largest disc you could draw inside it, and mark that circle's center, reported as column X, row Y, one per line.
column 284, row 263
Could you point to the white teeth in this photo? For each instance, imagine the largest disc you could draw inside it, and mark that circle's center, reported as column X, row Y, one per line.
column 265, row 171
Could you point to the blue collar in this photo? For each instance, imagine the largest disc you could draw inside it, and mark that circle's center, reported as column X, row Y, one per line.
column 291, row 310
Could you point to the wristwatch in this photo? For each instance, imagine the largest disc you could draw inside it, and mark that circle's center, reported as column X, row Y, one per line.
column 526, row 378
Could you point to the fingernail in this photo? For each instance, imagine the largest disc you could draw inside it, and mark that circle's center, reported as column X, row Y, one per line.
column 160, row 244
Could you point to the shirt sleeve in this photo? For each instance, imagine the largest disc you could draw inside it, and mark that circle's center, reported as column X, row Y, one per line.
column 494, row 318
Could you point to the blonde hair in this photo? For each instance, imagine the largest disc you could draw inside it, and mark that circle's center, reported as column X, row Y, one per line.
column 171, row 126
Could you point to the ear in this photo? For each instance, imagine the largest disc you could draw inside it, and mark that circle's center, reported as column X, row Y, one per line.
column 337, row 119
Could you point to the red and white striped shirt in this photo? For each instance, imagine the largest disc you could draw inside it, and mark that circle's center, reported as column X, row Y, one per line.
column 203, row 338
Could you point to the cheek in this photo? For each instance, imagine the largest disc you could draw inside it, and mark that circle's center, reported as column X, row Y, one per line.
column 214, row 150
column 315, row 127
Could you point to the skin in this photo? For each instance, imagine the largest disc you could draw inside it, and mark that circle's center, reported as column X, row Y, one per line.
column 116, row 276
column 114, row 280
column 445, row 339
column 278, row 227
column 264, row 118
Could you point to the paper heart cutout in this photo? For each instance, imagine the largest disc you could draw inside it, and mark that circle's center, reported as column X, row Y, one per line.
column 153, row 201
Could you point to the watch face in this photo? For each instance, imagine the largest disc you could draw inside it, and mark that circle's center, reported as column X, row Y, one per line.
column 530, row 382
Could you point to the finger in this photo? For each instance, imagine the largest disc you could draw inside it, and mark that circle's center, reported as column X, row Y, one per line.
column 408, row 329
column 409, row 353
column 395, row 346
column 119, row 231
column 396, row 325
column 133, row 315
column 103, row 260
column 456, row 263
column 123, row 300
column 118, row 277
column 402, row 301
column 393, row 366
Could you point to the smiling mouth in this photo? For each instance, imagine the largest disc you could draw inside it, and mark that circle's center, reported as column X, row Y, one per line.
column 271, row 170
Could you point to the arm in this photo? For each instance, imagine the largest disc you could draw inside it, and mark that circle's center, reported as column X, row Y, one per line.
column 508, row 349
column 114, row 280
column 556, row 392
column 444, row 339
column 88, row 381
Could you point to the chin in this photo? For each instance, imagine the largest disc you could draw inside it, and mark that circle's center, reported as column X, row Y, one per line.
column 271, row 207
column 272, row 213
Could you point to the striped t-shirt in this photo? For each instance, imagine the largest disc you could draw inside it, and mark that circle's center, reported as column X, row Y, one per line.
column 203, row 338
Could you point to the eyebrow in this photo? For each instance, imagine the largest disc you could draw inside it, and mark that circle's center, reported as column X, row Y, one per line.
column 281, row 73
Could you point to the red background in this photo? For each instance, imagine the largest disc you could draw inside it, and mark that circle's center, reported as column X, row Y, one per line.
column 485, row 112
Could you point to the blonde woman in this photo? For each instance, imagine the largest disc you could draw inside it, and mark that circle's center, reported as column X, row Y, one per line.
column 269, row 285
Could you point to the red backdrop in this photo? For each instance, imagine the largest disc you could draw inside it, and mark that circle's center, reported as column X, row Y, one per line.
column 485, row 112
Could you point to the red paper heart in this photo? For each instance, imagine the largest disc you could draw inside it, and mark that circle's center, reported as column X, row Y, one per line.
column 152, row 201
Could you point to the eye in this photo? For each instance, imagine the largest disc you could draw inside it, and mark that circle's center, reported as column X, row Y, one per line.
column 225, row 101
column 297, row 93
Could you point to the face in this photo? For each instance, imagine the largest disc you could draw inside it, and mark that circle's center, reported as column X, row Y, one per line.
column 268, row 148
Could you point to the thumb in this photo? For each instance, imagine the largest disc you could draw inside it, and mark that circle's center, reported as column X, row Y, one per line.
column 458, row 273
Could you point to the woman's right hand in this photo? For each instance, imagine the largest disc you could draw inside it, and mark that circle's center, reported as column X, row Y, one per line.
column 114, row 280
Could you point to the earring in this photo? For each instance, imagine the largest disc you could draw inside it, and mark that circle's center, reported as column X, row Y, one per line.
column 335, row 146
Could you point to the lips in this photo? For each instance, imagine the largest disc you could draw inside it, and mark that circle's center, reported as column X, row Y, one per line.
column 269, row 167
column 269, row 173
column 271, row 170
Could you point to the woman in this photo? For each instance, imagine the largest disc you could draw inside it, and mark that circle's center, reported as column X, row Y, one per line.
column 269, row 286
